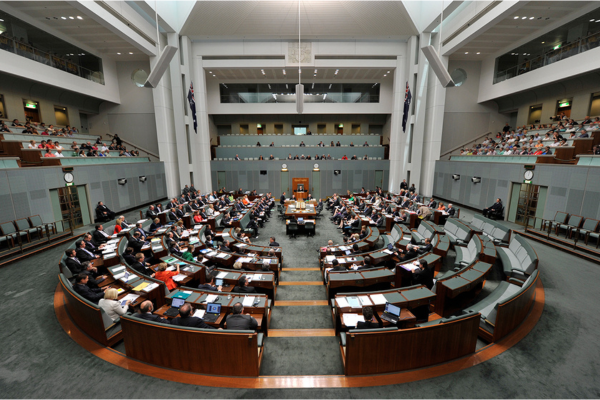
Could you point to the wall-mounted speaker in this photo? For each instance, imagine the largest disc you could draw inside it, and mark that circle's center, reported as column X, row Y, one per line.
column 299, row 98
column 455, row 177
column 337, row 172
column 436, row 64
column 143, row 179
column 122, row 181
column 476, row 179
column 161, row 66
column 263, row 172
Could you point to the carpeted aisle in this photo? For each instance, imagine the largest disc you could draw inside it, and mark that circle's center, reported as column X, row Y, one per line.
column 315, row 355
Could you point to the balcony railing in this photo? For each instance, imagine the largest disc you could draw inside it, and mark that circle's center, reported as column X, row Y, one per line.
column 28, row 51
column 569, row 50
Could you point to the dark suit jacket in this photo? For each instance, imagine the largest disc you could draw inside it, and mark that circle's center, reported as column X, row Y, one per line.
column 152, row 317
column 244, row 289
column 129, row 259
column 91, row 246
column 425, row 249
column 274, row 244
column 83, row 255
column 193, row 322
column 136, row 245
column 151, row 214
column 98, row 237
column 451, row 212
column 139, row 267
column 224, row 248
column 407, row 255
column 74, row 266
column 172, row 216
column 423, row 277
column 93, row 295
column 370, row 324
column 241, row 322
column 206, row 286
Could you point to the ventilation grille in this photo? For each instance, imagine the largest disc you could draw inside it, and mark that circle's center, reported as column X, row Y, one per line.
column 471, row 21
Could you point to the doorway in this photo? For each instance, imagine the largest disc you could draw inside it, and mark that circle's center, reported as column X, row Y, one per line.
column 32, row 111
column 535, row 115
column 260, row 129
column 316, row 184
column 339, row 129
column 527, row 202
column 379, row 178
column 83, row 120
column 221, row 179
column 70, row 205
column 563, row 107
column 61, row 115
column 285, row 183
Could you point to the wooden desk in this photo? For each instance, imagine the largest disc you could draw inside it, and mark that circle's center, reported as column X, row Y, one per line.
column 361, row 278
column 156, row 295
column 406, row 320
column 266, row 283
column 454, row 292
column 308, row 212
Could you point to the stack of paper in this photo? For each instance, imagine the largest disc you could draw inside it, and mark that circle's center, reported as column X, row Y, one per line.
column 117, row 269
column 341, row 302
column 386, row 251
column 221, row 275
column 150, row 287
column 222, row 255
column 199, row 313
column 257, row 277
column 119, row 276
column 351, row 320
column 131, row 297
column 211, row 298
column 378, row 299
column 353, row 301
column 179, row 277
column 365, row 301
column 248, row 301
column 329, row 258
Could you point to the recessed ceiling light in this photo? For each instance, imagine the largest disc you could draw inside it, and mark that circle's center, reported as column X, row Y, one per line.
column 79, row 17
column 524, row 54
column 384, row 74
column 215, row 76
column 592, row 20
column 466, row 52
column 130, row 52
column 478, row 52
column 517, row 17
column 284, row 71
column 64, row 17
column 598, row 20
column 543, row 42
column 531, row 17
column 336, row 71
column 210, row 72
column 1, row 20
column 388, row 72
column 71, row 17
column 524, row 18
column 315, row 70
column 119, row 53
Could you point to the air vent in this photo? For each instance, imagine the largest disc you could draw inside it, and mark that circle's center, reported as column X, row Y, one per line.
column 471, row 21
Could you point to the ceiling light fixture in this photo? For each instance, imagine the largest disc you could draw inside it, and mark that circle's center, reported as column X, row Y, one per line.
column 478, row 52
column 336, row 71
column 517, row 17
column 262, row 71
column 284, row 71
column 130, row 52
column 315, row 70
column 79, row 17
column 1, row 20
column 592, row 20
column 119, row 53
column 466, row 52
column 64, row 17
column 388, row 72
column 524, row 54
column 543, row 42
column 531, row 17
column 384, row 75
column 71, row 17
column 524, row 18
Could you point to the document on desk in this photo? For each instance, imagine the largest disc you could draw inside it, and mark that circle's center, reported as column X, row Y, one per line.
column 150, row 287
column 117, row 269
column 386, row 251
column 171, row 268
column 199, row 313
column 365, row 301
column 211, row 298
column 141, row 286
column 344, row 248
column 329, row 258
column 244, row 259
column 221, row 275
column 353, row 301
column 222, row 255
column 410, row 267
column 351, row 320
column 378, row 299
column 131, row 297
column 119, row 276
column 341, row 302
column 256, row 277
column 211, row 254
column 241, row 245
column 248, row 301
column 179, row 277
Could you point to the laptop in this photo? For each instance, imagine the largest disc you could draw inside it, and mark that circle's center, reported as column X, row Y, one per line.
column 348, row 252
column 391, row 313
column 213, row 310
column 175, row 305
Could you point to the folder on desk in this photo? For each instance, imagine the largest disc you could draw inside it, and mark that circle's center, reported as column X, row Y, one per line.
column 341, row 302
column 182, row 295
column 150, row 287
column 378, row 299
column 365, row 301
column 221, row 275
column 141, row 286
column 353, row 302
column 351, row 320
column 248, row 301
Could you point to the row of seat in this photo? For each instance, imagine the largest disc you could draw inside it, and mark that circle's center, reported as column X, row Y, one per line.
column 570, row 223
column 283, row 159
column 17, row 231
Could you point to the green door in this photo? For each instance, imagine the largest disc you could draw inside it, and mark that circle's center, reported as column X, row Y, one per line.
column 514, row 202
column 221, row 180
column 378, row 178
column 316, row 184
column 285, row 183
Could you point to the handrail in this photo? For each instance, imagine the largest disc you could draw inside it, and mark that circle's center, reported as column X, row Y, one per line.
column 464, row 144
column 136, row 147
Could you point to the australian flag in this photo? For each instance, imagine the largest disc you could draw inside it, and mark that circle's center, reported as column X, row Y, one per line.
column 407, row 99
column 193, row 106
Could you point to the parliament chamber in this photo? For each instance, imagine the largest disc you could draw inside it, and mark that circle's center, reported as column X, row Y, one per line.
column 284, row 199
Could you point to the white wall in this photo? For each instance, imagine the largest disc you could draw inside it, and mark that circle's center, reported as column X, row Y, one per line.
column 133, row 119
column 464, row 117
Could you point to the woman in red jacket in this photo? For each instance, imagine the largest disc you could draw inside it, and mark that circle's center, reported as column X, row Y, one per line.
column 166, row 276
column 118, row 226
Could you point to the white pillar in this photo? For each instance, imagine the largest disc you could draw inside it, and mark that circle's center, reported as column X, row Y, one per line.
column 397, row 136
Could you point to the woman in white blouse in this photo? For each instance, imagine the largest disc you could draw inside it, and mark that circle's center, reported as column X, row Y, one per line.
column 111, row 305
column 210, row 210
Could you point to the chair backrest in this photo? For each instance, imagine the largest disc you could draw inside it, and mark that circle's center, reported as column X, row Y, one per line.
column 590, row 224
column 560, row 217
column 575, row 220
column 22, row 224
column 7, row 228
column 35, row 220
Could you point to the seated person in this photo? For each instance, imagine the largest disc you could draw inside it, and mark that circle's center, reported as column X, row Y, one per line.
column 188, row 254
column 166, row 276
column 156, row 225
column 112, row 306
column 410, row 253
column 146, row 309
column 91, row 294
column 184, row 318
column 423, row 275
column 240, row 321
column 210, row 285
column 242, row 286
column 368, row 323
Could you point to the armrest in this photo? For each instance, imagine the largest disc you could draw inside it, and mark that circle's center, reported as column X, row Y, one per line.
column 520, row 270
column 515, row 281
column 489, row 323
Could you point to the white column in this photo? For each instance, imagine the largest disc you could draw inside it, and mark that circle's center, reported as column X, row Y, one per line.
column 432, row 135
column 397, row 136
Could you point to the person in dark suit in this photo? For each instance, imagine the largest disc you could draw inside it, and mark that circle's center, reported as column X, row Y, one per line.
column 282, row 199
column 136, row 243
column 128, row 256
column 82, row 289
column 369, row 324
column 94, row 278
column 242, row 286
column 184, row 318
column 99, row 235
column 151, row 212
column 432, row 203
column 173, row 215
column 146, row 309
column 83, row 254
column 426, row 248
column 240, row 321
column 273, row 243
column 496, row 207
column 102, row 210
column 210, row 285
column 92, row 246
column 172, row 204
column 225, row 246
column 411, row 252
column 404, row 185
column 451, row 211
column 143, row 233
column 423, row 275
column 156, row 225
column 73, row 263
column 141, row 266
column 337, row 266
